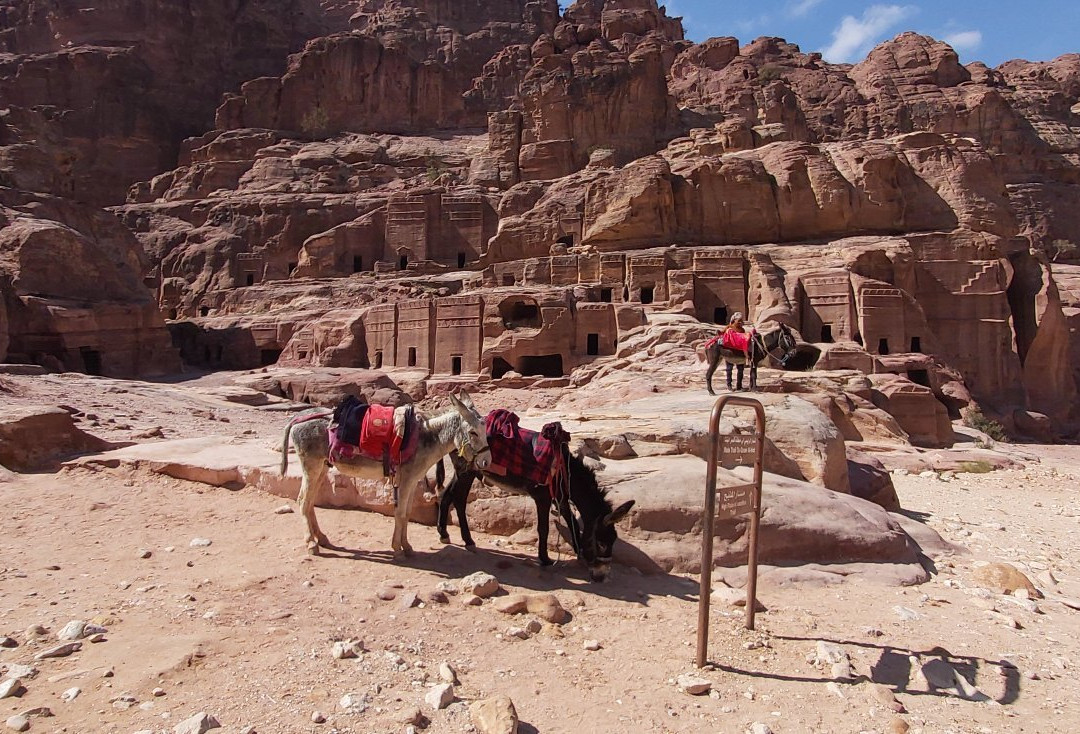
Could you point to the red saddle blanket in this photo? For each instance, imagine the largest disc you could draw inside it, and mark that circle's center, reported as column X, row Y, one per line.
column 731, row 339
column 535, row 456
column 379, row 441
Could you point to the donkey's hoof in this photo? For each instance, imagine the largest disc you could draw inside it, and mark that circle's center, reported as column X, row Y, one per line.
column 546, row 562
column 444, row 539
column 313, row 549
column 471, row 547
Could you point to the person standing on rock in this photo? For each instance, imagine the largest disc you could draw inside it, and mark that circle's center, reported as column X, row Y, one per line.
column 735, row 336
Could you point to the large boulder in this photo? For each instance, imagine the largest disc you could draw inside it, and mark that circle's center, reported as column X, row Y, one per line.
column 37, row 437
column 800, row 522
column 916, row 409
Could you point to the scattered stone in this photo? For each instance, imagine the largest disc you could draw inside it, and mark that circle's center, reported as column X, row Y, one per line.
column 124, row 701
column 897, row 726
column 447, row 673
column 884, row 695
column 1004, row 578
column 545, row 606
column 494, row 715
column 481, row 584
column 834, row 688
column 318, row 717
column 447, row 587
column 518, row 633
column 873, row 632
column 440, row 696
column 758, row 728
column 16, row 670
column 73, row 630
column 198, row 724
column 413, row 716
column 693, row 684
column 38, row 712
column 59, row 651
column 592, row 645
column 1047, row 578
column 247, row 730
column 735, row 598
column 841, row 670
column 17, row 723
column 8, row 642
column 347, row 649
column 386, row 593
column 409, row 600
column 829, row 653
column 70, row 694
column 36, row 630
column 356, row 703
column 906, row 614
column 436, row 597
column 471, row 600
column 284, row 510
column 200, row 543
column 12, row 687
column 158, row 692
column 144, row 553
column 534, row 626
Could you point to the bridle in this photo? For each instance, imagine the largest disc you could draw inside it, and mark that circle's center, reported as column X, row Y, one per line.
column 469, row 453
column 785, row 345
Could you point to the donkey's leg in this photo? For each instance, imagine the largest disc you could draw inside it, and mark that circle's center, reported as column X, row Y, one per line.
column 406, row 492
column 714, row 361
column 543, row 523
column 314, row 472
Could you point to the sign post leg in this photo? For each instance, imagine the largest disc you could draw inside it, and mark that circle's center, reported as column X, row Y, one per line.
column 705, row 587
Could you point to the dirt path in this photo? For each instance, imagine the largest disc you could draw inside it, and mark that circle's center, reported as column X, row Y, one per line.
column 243, row 628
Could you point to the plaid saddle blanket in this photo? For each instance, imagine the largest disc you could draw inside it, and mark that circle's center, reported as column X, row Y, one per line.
column 536, row 456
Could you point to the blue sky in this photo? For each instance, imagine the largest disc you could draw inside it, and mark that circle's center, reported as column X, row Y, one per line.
column 992, row 31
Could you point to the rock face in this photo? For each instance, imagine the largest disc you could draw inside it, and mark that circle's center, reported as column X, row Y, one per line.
column 505, row 190
column 70, row 280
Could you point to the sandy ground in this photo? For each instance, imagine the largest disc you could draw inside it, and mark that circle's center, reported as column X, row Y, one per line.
column 243, row 628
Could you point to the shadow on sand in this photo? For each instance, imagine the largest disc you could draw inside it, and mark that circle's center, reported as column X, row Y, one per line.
column 895, row 667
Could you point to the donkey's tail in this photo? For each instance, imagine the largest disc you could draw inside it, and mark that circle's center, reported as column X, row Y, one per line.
column 285, row 449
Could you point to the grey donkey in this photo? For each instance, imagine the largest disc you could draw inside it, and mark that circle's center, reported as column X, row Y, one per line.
column 460, row 428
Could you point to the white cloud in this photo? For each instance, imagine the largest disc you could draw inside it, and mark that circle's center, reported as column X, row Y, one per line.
column 799, row 8
column 854, row 37
column 752, row 25
column 964, row 40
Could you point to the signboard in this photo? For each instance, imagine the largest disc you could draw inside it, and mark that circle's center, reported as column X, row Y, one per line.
column 738, row 449
column 734, row 501
column 728, row 502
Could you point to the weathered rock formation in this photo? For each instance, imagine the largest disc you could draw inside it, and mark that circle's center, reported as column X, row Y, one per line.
column 72, row 291
column 498, row 190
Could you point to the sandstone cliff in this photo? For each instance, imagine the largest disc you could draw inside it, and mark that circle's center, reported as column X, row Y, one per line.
column 384, row 193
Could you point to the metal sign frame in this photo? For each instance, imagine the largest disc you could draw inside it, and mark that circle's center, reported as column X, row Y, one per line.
column 738, row 495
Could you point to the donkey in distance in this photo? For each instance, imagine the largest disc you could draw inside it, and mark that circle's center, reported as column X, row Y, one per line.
column 778, row 344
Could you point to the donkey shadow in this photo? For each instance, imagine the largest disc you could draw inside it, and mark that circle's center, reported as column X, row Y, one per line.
column 636, row 583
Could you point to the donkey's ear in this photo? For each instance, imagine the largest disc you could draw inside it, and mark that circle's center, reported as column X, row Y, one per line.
column 618, row 513
column 466, row 400
column 457, row 403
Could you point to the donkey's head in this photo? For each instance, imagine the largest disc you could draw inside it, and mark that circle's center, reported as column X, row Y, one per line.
column 596, row 533
column 472, row 436
column 598, row 538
